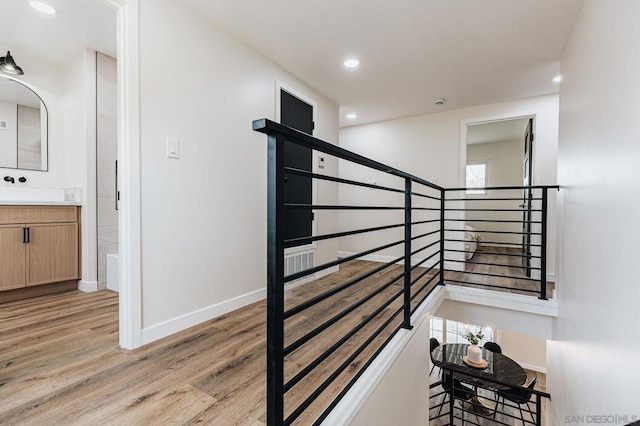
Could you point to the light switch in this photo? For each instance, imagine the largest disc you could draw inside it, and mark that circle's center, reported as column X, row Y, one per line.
column 173, row 148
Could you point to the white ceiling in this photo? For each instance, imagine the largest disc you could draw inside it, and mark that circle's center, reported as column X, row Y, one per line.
column 57, row 38
column 412, row 52
column 499, row 131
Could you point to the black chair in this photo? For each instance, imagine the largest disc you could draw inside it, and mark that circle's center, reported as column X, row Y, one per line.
column 460, row 391
column 493, row 347
column 518, row 396
column 433, row 343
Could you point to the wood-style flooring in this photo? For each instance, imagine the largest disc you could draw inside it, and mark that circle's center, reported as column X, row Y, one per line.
column 512, row 277
column 60, row 362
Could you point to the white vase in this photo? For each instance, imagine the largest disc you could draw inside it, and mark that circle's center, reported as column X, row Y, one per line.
column 474, row 354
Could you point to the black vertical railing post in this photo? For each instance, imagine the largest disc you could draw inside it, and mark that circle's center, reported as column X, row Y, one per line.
column 538, row 410
column 442, row 195
column 407, row 254
column 275, row 280
column 451, row 397
column 543, row 248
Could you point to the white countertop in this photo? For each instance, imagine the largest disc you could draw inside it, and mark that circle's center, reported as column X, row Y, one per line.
column 38, row 203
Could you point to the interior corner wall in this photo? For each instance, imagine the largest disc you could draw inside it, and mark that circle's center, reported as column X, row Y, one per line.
column 598, row 170
column 429, row 147
column 79, row 129
column 203, row 215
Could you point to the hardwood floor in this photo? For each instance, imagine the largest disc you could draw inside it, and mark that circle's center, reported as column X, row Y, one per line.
column 60, row 362
column 513, row 278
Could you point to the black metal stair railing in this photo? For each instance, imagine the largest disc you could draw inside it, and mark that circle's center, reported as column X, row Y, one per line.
column 319, row 342
column 413, row 224
column 511, row 225
column 486, row 407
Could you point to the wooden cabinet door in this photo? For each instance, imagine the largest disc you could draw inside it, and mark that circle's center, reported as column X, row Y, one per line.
column 13, row 266
column 52, row 253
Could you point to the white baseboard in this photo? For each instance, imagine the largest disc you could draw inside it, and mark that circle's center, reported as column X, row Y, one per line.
column 386, row 259
column 532, row 367
column 551, row 276
column 183, row 322
column 88, row 286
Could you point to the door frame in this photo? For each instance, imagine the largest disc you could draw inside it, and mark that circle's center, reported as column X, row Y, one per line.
column 129, row 232
column 464, row 124
column 280, row 85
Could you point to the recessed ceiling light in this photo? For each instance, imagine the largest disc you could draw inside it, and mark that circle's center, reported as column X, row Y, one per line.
column 557, row 79
column 352, row 116
column 439, row 102
column 351, row 63
column 43, row 7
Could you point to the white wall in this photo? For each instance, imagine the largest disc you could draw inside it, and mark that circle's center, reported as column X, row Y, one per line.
column 79, row 130
column 203, row 215
column 598, row 169
column 504, row 168
column 429, row 146
column 528, row 351
column 515, row 321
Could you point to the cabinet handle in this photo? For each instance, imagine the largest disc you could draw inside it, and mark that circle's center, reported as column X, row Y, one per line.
column 26, row 234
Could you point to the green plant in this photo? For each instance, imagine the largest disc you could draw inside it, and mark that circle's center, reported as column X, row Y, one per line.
column 474, row 339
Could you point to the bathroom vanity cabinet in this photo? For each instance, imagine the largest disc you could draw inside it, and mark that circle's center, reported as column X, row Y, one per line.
column 39, row 250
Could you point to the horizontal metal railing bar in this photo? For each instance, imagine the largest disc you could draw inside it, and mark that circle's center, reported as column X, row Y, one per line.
column 494, row 199
column 503, row 188
column 418, row 194
column 425, row 247
column 492, row 221
column 505, row 414
column 305, row 404
column 293, row 242
column 426, row 234
column 469, row 262
column 326, row 354
column 300, row 172
column 338, row 262
column 420, row 277
column 269, row 127
column 421, row 222
column 426, row 208
column 485, row 243
column 336, row 207
column 497, row 254
column 494, row 232
column 486, row 274
column 491, row 286
column 317, row 299
column 417, row 265
column 415, row 308
column 331, row 321
column 520, row 210
column 469, row 373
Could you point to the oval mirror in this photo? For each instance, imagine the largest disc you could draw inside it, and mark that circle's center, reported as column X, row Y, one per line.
column 23, row 127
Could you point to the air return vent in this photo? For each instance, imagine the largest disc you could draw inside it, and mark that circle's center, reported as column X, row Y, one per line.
column 298, row 260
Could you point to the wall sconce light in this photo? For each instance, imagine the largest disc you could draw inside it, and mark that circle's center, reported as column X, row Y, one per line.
column 9, row 66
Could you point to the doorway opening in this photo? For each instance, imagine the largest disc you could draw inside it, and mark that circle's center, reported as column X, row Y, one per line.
column 499, row 154
column 298, row 111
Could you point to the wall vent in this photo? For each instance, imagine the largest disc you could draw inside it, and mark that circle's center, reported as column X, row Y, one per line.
column 298, row 260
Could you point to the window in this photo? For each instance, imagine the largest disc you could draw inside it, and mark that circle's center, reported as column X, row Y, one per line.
column 453, row 330
column 476, row 177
